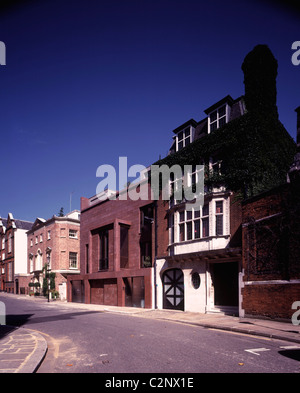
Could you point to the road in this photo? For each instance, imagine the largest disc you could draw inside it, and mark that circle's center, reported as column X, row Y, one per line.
column 85, row 341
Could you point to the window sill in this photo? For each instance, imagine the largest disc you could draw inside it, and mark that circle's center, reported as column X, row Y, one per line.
column 200, row 240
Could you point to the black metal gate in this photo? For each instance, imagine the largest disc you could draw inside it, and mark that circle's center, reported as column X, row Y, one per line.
column 173, row 290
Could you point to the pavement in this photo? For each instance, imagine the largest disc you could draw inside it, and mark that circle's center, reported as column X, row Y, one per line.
column 23, row 350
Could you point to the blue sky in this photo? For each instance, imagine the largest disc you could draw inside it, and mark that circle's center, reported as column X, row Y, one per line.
column 87, row 82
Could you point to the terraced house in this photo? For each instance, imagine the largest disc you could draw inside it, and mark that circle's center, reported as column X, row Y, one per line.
column 53, row 245
column 13, row 258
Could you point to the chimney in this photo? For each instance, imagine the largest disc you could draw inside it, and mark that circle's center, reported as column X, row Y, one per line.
column 260, row 72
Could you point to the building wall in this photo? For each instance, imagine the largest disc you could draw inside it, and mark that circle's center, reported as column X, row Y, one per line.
column 53, row 236
column 271, row 253
column 111, row 285
column 199, row 256
column 20, row 251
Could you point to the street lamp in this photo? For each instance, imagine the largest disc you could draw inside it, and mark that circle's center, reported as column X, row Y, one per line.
column 48, row 271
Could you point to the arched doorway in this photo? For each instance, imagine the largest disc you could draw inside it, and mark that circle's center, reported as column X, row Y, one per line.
column 173, row 289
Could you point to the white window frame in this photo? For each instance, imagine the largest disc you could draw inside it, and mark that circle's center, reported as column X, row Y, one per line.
column 74, row 234
column 188, row 219
column 186, row 140
column 73, row 256
column 218, row 117
column 219, row 214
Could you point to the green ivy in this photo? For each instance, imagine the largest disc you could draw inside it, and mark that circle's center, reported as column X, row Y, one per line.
column 256, row 153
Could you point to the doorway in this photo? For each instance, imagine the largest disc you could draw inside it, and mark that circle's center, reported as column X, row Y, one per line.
column 173, row 289
column 225, row 283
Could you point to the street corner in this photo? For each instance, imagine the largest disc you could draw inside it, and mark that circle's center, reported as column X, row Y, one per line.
column 21, row 350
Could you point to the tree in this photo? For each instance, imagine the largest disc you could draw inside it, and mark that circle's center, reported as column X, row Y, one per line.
column 61, row 212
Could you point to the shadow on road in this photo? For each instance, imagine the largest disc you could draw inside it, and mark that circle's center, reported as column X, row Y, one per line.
column 291, row 353
column 5, row 330
column 18, row 320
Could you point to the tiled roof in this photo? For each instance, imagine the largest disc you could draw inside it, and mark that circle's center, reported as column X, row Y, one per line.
column 20, row 224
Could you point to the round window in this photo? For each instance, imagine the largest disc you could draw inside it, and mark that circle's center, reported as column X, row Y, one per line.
column 196, row 280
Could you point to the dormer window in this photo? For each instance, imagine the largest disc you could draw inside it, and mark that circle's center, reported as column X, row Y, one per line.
column 219, row 113
column 184, row 135
column 184, row 138
column 218, row 118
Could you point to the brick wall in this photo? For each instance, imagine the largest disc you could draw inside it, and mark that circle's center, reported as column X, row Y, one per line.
column 271, row 252
column 107, row 286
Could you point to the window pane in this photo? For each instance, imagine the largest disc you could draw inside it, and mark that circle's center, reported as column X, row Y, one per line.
column 180, row 136
column 180, row 145
column 219, row 207
column 197, row 213
column 187, row 132
column 197, row 229
column 205, row 210
column 181, row 216
column 222, row 121
column 103, row 262
column 189, row 232
column 219, row 225
column 189, row 215
column 205, row 227
column 123, row 247
column 73, row 260
column 222, row 111
column 213, row 126
column 213, row 116
column 181, row 232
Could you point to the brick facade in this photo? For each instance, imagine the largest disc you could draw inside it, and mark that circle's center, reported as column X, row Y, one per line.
column 113, row 269
column 271, row 252
column 59, row 239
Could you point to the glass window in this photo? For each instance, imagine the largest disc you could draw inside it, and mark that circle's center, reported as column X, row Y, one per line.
column 124, row 246
column 73, row 260
column 217, row 118
column 196, row 281
column 103, row 257
column 72, row 233
column 184, row 138
column 219, row 218
column 197, row 229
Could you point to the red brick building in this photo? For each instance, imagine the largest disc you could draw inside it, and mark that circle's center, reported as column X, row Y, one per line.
column 117, row 253
column 271, row 247
column 13, row 254
column 56, row 242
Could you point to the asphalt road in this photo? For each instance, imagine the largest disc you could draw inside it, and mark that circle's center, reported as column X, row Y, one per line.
column 81, row 341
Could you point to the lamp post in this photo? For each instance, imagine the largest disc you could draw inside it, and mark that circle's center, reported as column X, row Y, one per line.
column 48, row 272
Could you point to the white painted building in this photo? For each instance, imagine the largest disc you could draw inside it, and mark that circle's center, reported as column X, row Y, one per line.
column 202, row 272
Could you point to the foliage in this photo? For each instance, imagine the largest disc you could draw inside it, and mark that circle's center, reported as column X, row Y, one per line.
column 255, row 150
column 48, row 276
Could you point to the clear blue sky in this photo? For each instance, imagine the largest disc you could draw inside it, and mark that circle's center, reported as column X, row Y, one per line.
column 89, row 81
